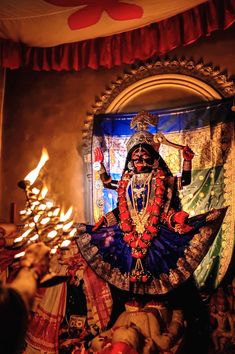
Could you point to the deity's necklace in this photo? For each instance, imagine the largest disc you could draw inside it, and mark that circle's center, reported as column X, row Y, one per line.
column 140, row 190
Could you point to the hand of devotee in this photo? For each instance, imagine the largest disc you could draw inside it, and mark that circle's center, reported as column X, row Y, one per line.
column 8, row 233
column 98, row 155
column 188, row 154
column 37, row 258
column 18, row 297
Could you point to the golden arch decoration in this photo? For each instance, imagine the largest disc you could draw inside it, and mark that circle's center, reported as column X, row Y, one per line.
column 205, row 81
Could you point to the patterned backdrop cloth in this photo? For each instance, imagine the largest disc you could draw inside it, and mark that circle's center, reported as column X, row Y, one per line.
column 209, row 131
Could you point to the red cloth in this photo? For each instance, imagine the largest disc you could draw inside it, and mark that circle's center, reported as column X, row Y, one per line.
column 124, row 48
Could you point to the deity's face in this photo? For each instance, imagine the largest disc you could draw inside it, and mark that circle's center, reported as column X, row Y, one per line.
column 142, row 160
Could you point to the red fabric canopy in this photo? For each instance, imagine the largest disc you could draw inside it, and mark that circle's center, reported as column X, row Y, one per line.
column 124, row 48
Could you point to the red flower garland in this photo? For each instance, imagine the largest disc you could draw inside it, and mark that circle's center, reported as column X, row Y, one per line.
column 140, row 242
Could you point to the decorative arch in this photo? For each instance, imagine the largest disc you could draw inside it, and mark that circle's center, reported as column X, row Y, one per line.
column 183, row 78
column 205, row 81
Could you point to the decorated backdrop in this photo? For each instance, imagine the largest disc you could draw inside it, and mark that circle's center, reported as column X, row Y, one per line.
column 209, row 130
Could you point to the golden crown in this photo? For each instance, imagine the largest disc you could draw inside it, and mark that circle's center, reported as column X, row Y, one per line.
column 141, row 122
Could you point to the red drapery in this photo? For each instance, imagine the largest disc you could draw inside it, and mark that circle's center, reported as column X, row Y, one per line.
column 124, row 48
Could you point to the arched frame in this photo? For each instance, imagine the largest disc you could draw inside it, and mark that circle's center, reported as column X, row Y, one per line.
column 160, row 84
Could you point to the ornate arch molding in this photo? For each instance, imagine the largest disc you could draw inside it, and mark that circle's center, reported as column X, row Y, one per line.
column 203, row 79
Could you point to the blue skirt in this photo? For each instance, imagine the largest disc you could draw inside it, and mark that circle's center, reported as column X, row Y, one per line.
column 171, row 258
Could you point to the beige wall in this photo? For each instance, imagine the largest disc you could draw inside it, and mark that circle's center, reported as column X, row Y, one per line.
column 2, row 89
column 48, row 109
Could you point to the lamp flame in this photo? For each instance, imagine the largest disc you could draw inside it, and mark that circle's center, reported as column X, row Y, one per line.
column 67, row 226
column 44, row 192
column 73, row 232
column 66, row 216
column 18, row 255
column 35, row 191
column 65, row 243
column 52, row 234
column 26, row 233
column 33, row 175
column 18, row 239
column 34, row 238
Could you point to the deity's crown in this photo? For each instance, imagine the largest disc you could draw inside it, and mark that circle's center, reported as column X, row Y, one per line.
column 141, row 122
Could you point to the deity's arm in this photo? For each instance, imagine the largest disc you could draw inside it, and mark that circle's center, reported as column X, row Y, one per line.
column 112, row 217
column 109, row 219
column 188, row 155
column 98, row 166
column 106, row 179
column 186, row 173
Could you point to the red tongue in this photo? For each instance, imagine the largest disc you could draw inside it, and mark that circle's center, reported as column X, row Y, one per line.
column 139, row 167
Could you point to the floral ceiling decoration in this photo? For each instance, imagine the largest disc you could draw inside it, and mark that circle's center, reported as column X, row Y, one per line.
column 92, row 12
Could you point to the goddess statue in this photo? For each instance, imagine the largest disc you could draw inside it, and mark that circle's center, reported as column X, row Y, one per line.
column 148, row 244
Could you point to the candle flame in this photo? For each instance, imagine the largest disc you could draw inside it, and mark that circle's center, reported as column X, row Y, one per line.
column 33, row 175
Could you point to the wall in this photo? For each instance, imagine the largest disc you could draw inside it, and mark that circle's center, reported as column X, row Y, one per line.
column 2, row 88
column 48, row 109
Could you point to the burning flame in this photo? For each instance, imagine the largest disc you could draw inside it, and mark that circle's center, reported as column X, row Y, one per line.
column 65, row 243
column 73, row 232
column 67, row 226
column 44, row 192
column 52, row 234
column 34, row 238
column 32, row 176
column 56, row 212
column 66, row 216
column 19, row 255
column 35, row 191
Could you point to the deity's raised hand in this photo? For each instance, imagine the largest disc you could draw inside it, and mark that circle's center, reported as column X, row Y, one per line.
column 98, row 155
column 98, row 159
column 188, row 154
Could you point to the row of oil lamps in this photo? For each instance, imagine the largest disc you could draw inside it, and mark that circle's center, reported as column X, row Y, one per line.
column 42, row 220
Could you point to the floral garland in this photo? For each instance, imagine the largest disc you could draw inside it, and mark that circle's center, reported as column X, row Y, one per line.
column 140, row 242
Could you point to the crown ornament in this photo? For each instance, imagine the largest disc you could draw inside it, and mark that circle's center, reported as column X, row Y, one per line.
column 142, row 120
column 140, row 123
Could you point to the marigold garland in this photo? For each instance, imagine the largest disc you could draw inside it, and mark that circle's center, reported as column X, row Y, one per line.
column 140, row 242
